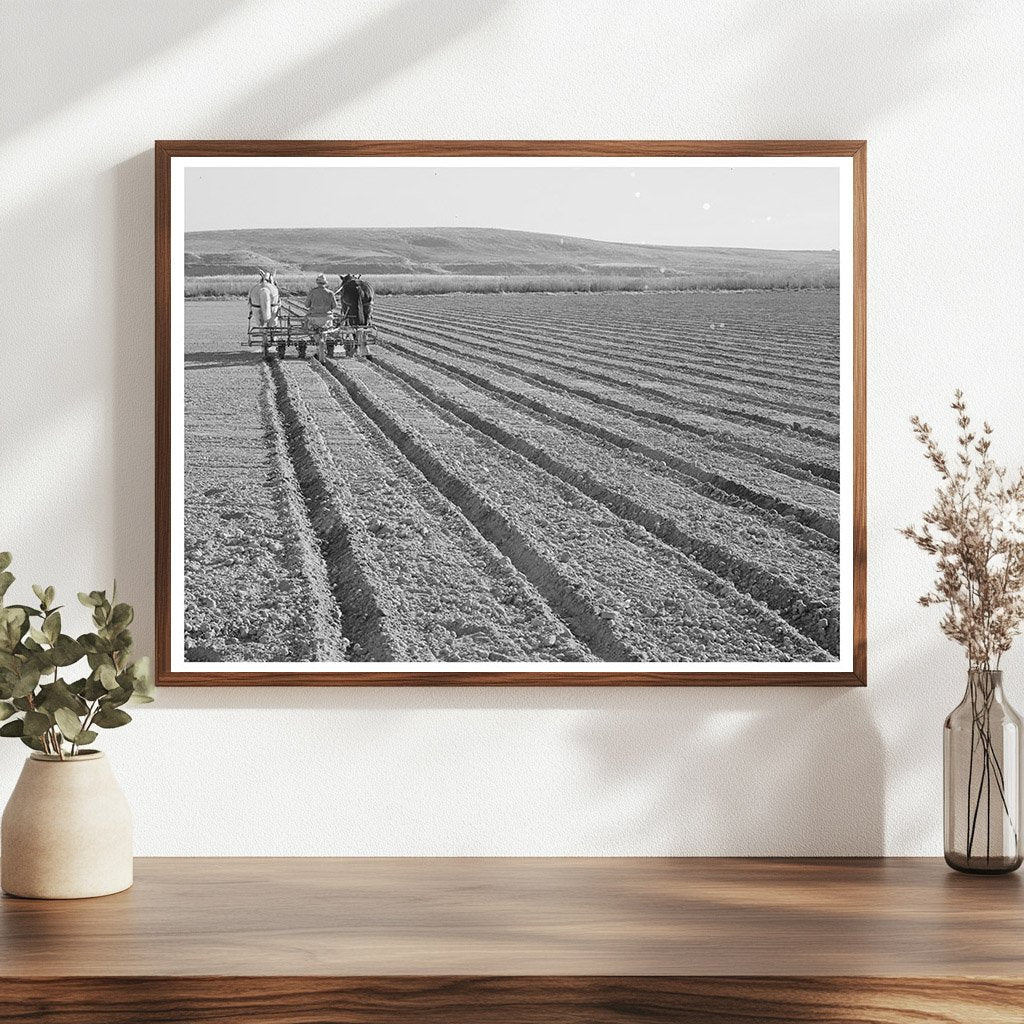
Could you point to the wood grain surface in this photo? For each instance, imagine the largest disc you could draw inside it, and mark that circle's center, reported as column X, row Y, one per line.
column 503, row 940
column 166, row 150
column 518, row 1000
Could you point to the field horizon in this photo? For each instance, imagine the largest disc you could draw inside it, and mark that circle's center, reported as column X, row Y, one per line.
column 493, row 253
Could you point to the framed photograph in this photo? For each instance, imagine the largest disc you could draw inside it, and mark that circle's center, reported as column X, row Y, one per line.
column 527, row 413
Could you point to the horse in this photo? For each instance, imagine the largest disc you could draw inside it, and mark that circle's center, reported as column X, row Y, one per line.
column 265, row 300
column 356, row 297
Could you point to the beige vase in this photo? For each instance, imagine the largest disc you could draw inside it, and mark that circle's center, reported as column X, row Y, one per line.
column 66, row 831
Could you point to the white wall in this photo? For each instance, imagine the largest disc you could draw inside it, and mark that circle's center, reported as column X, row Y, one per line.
column 85, row 88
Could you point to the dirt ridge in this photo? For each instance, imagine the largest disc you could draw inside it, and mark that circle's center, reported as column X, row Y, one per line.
column 329, row 642
column 809, row 472
column 747, row 577
column 712, row 485
column 361, row 616
column 584, row 623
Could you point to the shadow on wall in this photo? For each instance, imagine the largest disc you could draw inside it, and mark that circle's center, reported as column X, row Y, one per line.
column 749, row 772
column 810, row 63
column 395, row 39
column 80, row 53
column 690, row 771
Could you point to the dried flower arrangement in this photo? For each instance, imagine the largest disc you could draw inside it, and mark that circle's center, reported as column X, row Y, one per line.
column 975, row 531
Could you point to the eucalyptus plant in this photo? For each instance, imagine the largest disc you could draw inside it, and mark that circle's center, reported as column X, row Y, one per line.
column 37, row 704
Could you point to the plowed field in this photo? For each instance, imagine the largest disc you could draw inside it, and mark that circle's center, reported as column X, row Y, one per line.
column 520, row 478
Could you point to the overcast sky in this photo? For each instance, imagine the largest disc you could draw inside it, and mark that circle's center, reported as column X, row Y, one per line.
column 749, row 207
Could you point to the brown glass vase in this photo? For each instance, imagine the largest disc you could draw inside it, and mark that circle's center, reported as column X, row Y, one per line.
column 981, row 769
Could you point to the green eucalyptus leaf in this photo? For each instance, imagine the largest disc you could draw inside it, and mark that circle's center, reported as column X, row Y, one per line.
column 50, row 596
column 107, row 676
column 27, row 682
column 22, row 703
column 5, row 559
column 6, row 579
column 69, row 724
column 40, row 593
column 51, row 626
column 122, row 615
column 111, row 718
column 16, row 727
column 115, row 698
column 36, row 723
column 13, row 624
column 9, row 663
column 38, row 635
column 98, row 646
column 31, row 741
column 94, row 689
column 59, row 695
column 89, row 600
column 29, row 611
column 6, row 710
column 86, row 736
column 66, row 651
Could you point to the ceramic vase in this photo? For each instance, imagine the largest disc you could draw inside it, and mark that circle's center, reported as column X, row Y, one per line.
column 66, row 831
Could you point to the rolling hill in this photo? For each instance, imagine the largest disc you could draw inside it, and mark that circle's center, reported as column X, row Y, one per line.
column 478, row 251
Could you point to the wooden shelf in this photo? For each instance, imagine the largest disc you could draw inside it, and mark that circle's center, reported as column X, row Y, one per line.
column 507, row 940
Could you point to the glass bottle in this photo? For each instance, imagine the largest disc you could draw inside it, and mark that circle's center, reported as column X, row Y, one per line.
column 981, row 771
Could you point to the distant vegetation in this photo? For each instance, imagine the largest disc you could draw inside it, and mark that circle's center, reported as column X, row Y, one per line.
column 440, row 260
column 226, row 286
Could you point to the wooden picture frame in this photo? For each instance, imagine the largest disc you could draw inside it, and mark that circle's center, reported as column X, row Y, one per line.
column 850, row 670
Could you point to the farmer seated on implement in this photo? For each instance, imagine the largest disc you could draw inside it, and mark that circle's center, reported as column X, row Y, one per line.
column 264, row 300
column 321, row 303
column 356, row 301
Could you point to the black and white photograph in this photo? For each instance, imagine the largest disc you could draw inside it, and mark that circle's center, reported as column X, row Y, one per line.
column 534, row 414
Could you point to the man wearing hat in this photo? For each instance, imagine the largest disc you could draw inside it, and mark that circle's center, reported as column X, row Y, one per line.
column 321, row 301
column 321, row 304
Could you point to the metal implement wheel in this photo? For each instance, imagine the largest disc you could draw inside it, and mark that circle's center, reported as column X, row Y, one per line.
column 282, row 348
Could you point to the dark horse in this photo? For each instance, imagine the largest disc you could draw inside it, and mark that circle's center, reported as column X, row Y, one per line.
column 356, row 297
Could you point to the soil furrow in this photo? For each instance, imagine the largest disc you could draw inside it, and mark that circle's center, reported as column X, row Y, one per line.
column 330, row 643
column 364, row 620
column 684, row 363
column 683, row 356
column 631, row 416
column 581, row 617
column 758, row 326
column 676, row 609
column 805, row 523
column 658, row 390
column 253, row 580
column 425, row 584
column 815, row 618
column 700, row 343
